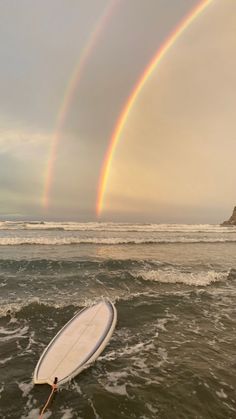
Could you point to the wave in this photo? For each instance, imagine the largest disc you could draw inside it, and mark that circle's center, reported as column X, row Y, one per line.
column 128, row 266
column 140, row 283
column 24, row 265
column 174, row 276
column 61, row 241
column 34, row 305
column 115, row 227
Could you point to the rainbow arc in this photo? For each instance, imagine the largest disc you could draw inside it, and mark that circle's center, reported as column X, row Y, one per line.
column 120, row 124
column 72, row 87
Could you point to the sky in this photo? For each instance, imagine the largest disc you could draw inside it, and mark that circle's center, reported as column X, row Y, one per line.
column 174, row 161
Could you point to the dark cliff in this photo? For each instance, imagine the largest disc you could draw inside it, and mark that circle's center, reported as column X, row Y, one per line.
column 232, row 219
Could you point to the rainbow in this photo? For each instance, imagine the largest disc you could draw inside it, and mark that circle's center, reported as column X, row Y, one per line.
column 164, row 48
column 69, row 95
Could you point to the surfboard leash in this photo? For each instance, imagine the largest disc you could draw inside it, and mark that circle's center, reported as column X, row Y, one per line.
column 54, row 389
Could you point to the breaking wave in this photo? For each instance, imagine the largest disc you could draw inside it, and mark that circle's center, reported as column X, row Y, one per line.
column 115, row 227
column 188, row 278
column 61, row 241
column 131, row 285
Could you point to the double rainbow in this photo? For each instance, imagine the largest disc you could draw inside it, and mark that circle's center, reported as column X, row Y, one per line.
column 156, row 60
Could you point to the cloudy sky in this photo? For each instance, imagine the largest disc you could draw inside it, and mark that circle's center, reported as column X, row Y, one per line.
column 175, row 158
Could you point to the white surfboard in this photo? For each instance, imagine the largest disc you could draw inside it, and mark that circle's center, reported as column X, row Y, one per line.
column 77, row 345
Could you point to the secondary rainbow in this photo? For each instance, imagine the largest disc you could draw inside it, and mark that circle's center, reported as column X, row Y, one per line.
column 69, row 95
column 164, row 48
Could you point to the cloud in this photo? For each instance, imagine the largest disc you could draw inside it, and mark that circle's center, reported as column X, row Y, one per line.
column 23, row 156
column 23, row 142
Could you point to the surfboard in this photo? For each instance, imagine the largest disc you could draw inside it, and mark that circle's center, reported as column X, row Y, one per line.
column 77, row 345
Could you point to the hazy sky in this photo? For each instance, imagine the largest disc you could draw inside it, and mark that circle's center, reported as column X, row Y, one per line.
column 175, row 158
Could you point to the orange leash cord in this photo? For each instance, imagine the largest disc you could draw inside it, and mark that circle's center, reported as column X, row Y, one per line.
column 54, row 389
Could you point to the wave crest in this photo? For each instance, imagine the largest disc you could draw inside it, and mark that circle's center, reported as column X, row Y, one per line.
column 175, row 276
column 62, row 241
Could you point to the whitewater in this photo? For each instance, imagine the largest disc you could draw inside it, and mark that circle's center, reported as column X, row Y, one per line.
column 174, row 286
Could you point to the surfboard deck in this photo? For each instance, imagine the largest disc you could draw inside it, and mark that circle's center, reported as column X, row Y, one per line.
column 77, row 345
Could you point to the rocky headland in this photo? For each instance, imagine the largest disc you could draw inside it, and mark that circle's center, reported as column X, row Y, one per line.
column 232, row 220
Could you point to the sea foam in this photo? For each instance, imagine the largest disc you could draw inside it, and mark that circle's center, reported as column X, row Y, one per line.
column 174, row 276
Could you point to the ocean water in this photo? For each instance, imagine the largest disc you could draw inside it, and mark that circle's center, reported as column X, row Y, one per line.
column 173, row 353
